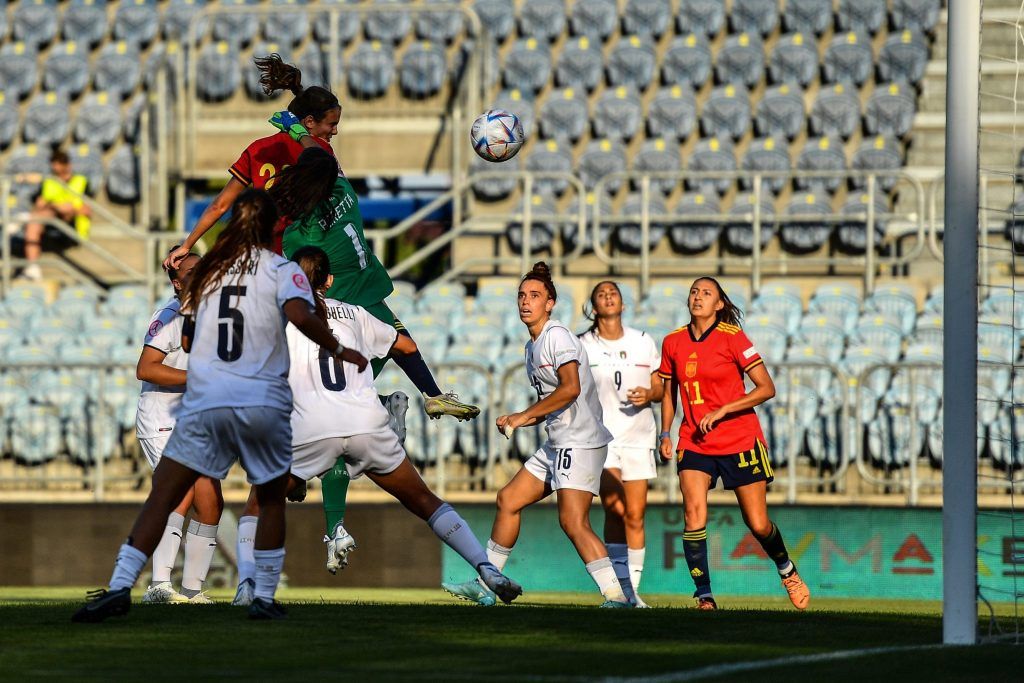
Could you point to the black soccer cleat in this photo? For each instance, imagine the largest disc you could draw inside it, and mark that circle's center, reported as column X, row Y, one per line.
column 102, row 604
column 266, row 609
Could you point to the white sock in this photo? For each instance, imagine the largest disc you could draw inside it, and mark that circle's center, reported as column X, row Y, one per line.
column 269, row 564
column 603, row 574
column 200, row 544
column 451, row 528
column 787, row 568
column 497, row 554
column 167, row 551
column 636, row 566
column 127, row 568
column 618, row 556
column 246, row 543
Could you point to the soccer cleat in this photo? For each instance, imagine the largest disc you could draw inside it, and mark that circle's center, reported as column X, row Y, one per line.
column 449, row 404
column 265, row 610
column 200, row 598
column 397, row 405
column 245, row 593
column 615, row 604
column 338, row 547
column 472, row 591
column 799, row 593
column 640, row 604
column 163, row 593
column 706, row 602
column 505, row 588
column 102, row 604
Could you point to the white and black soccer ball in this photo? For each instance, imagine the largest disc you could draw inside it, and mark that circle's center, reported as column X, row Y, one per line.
column 497, row 135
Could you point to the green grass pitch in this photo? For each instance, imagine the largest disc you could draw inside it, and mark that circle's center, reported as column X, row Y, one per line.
column 422, row 635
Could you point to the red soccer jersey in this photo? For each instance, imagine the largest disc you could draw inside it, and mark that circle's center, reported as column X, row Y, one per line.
column 710, row 373
column 262, row 160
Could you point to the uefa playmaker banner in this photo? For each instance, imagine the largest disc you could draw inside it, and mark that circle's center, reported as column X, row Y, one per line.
column 841, row 552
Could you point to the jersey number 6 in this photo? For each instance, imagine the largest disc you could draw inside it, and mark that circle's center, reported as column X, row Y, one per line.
column 231, row 328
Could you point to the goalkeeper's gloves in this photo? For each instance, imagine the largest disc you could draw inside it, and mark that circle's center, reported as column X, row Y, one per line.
column 287, row 122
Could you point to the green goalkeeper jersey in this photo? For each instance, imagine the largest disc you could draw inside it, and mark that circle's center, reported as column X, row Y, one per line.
column 336, row 226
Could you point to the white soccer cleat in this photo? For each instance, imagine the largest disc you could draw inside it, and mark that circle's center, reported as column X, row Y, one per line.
column 163, row 594
column 640, row 604
column 245, row 593
column 200, row 598
column 471, row 591
column 397, row 405
column 338, row 547
column 505, row 588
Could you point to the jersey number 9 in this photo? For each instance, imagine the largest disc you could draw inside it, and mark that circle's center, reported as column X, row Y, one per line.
column 231, row 327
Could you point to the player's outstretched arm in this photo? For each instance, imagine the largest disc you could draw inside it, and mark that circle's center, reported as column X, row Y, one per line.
column 299, row 314
column 217, row 208
column 151, row 369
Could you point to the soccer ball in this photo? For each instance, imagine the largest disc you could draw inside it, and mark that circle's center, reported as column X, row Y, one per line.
column 497, row 135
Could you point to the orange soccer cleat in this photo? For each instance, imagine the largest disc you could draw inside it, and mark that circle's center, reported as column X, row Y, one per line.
column 799, row 593
column 706, row 602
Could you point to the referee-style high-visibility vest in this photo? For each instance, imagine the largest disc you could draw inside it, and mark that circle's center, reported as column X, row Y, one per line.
column 53, row 192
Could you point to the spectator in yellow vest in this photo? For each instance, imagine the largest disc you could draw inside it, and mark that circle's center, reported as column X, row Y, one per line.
column 60, row 199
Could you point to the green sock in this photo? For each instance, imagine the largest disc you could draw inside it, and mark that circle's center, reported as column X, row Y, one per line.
column 334, row 487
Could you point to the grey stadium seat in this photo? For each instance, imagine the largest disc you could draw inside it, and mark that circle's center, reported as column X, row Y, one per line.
column 542, row 19
column 767, row 154
column 35, row 22
column 98, row 120
column 852, row 235
column 794, row 60
column 701, row 16
column 123, row 175
column 594, row 18
column 117, row 69
column 423, row 70
column 550, row 156
column 313, row 63
column 564, row 115
column 865, row 16
column 692, row 234
column 821, row 154
column 805, row 235
column 162, row 56
column 133, row 117
column 754, row 16
column 727, row 112
column 85, row 22
column 370, row 70
column 711, row 155
column 781, row 112
column 46, row 119
column 237, row 28
column 18, row 69
column 672, row 113
column 919, row 15
column 739, row 233
column 569, row 228
column 176, row 17
column 527, row 66
column 659, row 156
column 903, row 58
column 219, row 64
column 66, row 69
column 251, row 75
column 848, row 59
column 650, row 18
column 687, row 61
column 496, row 16
column 493, row 188
column 631, row 62
column 580, row 65
column 890, row 110
column 629, row 234
column 289, row 25
column 601, row 158
column 3, row 33
column 519, row 103
column 807, row 16
column 836, row 111
column 8, row 120
column 741, row 60
column 88, row 161
column 877, row 154
column 136, row 21
column 389, row 26
column 617, row 114
column 348, row 24
column 441, row 26
column 542, row 229
column 29, row 159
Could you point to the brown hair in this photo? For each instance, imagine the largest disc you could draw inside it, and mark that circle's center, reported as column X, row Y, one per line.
column 298, row 189
column 172, row 272
column 591, row 314
column 276, row 75
column 317, row 267
column 59, row 156
column 542, row 274
column 730, row 313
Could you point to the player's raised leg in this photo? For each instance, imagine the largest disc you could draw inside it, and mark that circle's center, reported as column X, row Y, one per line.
column 334, row 488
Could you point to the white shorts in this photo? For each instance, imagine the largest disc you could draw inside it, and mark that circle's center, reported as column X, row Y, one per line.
column 378, row 453
column 635, row 463
column 211, row 441
column 568, row 468
column 153, row 448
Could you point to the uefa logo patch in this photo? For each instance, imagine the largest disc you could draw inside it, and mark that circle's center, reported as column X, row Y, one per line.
column 301, row 282
column 155, row 328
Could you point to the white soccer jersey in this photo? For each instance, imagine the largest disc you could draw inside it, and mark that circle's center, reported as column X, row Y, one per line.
column 158, row 405
column 239, row 351
column 579, row 424
column 331, row 398
column 618, row 366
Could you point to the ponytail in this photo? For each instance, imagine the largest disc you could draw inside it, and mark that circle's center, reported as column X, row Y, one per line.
column 276, row 75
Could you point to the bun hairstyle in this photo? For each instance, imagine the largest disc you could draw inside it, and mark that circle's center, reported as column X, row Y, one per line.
column 276, row 75
column 542, row 274
column 730, row 313
column 591, row 314
column 317, row 267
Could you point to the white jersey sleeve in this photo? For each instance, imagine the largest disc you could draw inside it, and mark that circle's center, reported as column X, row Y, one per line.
column 292, row 284
column 560, row 347
column 158, row 405
column 377, row 335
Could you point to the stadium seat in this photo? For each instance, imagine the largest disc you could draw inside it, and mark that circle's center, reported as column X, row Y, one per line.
column 754, row 16
column 800, row 233
column 827, row 335
column 563, row 116
column 176, row 17
column 388, row 27
column 237, row 28
column 542, row 230
column 712, row 155
column 88, row 161
column 84, row 22
column 251, row 75
column 136, row 22
column 542, row 19
column 879, row 153
column 934, row 302
column 569, row 229
column 493, row 188
column 92, row 434
column 917, row 15
column 895, row 301
column 780, row 113
column 219, row 63
column 628, row 233
column 739, row 231
column 687, row 61
column 741, row 60
column 313, row 63
column 617, row 114
column 693, row 232
column 287, row 27
column 46, row 119
column 29, row 159
column 601, row 158
column 497, row 17
column 441, row 26
column 648, row 18
column 34, row 22
column 118, row 68
column 794, row 60
column 123, row 175
column 519, row 103
column 903, row 58
column 423, row 70
column 836, row 112
column 9, row 120
column 370, row 70
column 672, row 114
column 889, row 111
column 782, row 302
column 35, row 433
column 766, row 155
column 848, row 59
column 527, row 66
column 821, row 154
column 580, row 65
column 807, row 16
column 22, row 301
column 862, row 16
column 838, row 301
column 550, row 156
column 881, row 331
column 852, row 235
column 18, row 69
column 98, row 121
column 700, row 16
column 632, row 62
column 659, row 156
column 726, row 113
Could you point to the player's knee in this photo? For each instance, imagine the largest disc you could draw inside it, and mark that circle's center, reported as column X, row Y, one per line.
column 506, row 503
column 572, row 525
column 634, row 518
column 695, row 512
column 759, row 527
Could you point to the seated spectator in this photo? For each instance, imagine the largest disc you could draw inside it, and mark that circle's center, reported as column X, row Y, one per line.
column 60, row 199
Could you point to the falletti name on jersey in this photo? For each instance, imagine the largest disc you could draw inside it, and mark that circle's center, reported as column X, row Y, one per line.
column 347, row 202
